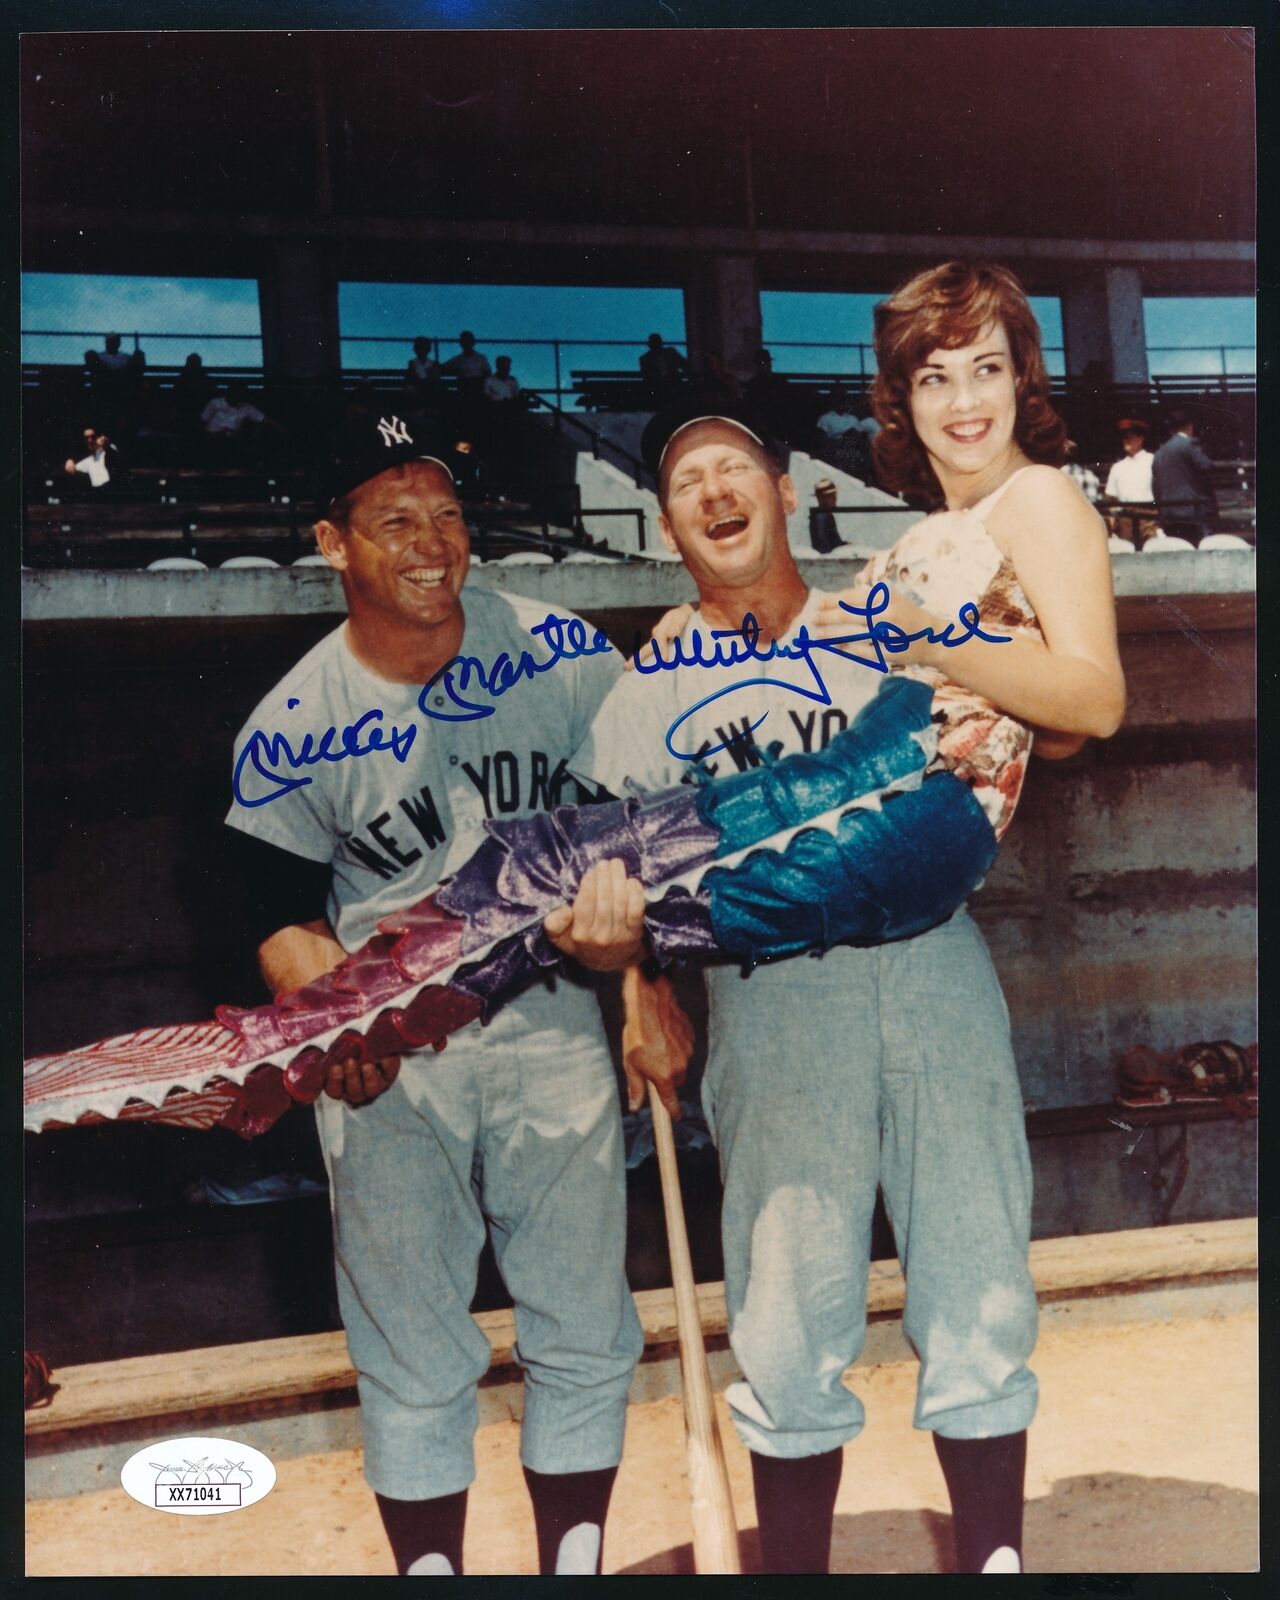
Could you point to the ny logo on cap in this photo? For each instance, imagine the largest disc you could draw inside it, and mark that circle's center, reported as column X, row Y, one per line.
column 394, row 432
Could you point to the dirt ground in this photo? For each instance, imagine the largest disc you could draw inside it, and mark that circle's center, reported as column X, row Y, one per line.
column 1130, row 1470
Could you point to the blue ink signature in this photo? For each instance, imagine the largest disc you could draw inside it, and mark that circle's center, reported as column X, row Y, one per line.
column 734, row 646
column 265, row 752
column 565, row 637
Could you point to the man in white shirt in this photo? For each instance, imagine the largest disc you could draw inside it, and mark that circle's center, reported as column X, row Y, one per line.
column 469, row 366
column 1129, row 482
column 227, row 414
column 502, row 386
column 848, row 436
column 839, row 417
column 233, row 428
column 100, row 462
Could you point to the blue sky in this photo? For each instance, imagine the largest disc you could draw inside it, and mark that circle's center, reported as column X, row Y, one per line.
column 177, row 315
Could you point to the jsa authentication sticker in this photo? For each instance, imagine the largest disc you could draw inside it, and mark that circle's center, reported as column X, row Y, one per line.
column 198, row 1477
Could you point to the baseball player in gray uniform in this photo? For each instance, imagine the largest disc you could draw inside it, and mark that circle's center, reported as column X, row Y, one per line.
column 888, row 1065
column 515, row 1127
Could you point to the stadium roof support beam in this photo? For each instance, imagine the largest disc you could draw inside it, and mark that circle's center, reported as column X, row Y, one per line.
column 1102, row 321
column 722, row 312
column 298, row 304
column 104, row 239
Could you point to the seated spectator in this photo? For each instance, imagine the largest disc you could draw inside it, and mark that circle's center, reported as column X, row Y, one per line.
column 470, row 367
column 1076, row 470
column 192, row 391
column 116, row 382
column 772, row 397
column 233, row 425
column 112, row 359
column 84, row 445
column 822, row 524
column 422, row 378
column 101, row 463
column 502, row 387
column 663, row 369
column 1129, row 482
column 846, row 438
column 503, row 405
column 839, row 417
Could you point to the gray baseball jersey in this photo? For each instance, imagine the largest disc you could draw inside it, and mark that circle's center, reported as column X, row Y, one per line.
column 635, row 734
column 889, row 1064
column 393, row 827
column 518, row 1122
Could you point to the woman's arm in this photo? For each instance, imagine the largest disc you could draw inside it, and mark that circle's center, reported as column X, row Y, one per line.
column 1072, row 682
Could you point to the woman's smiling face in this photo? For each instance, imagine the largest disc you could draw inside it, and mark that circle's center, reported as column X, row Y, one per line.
column 964, row 405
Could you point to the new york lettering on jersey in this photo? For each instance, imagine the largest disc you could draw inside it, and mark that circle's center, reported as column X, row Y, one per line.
column 505, row 783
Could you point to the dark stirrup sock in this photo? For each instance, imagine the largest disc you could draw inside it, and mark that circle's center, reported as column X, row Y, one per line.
column 569, row 1509
column 425, row 1533
column 986, row 1481
column 795, row 1506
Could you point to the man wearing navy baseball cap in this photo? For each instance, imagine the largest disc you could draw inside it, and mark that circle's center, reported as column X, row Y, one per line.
column 515, row 1129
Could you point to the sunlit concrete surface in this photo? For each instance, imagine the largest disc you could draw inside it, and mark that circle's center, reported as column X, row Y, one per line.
column 1133, row 1467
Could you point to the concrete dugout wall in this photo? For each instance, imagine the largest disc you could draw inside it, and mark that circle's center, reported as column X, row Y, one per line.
column 1121, row 910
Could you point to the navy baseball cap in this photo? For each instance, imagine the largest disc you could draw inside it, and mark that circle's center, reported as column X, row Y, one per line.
column 701, row 406
column 371, row 446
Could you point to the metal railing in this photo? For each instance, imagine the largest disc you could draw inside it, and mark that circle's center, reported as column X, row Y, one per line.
column 867, row 362
column 486, row 528
column 561, row 419
column 560, row 349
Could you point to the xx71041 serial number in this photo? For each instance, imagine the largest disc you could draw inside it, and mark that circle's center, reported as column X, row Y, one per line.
column 172, row 1494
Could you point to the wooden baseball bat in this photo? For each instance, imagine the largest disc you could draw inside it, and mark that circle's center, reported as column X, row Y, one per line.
column 715, row 1529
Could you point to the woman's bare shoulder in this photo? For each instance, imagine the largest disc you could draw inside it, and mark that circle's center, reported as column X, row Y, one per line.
column 1044, row 485
column 1042, row 492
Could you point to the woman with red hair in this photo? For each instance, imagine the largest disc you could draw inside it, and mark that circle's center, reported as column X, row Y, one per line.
column 961, row 394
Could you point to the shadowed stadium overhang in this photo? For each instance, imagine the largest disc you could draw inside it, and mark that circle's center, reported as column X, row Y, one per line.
column 837, row 158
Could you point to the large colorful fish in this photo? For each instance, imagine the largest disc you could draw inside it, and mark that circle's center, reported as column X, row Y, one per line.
column 869, row 840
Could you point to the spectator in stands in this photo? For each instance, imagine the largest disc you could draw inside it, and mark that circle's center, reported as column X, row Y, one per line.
column 1129, row 482
column 1183, row 482
column 233, row 426
column 1076, row 470
column 502, row 387
column 839, row 417
column 845, row 438
column 822, row 523
column 111, row 358
column 469, row 367
column 718, row 381
column 769, row 394
column 663, row 369
column 101, row 463
column 422, row 379
column 503, row 404
column 84, row 445
column 116, row 382
column 192, row 391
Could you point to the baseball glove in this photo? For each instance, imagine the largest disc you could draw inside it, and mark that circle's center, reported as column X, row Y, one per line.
column 1208, row 1070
